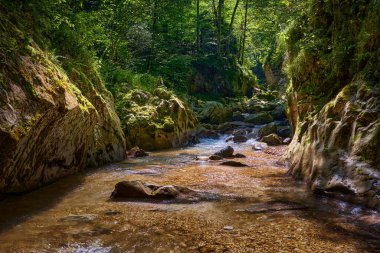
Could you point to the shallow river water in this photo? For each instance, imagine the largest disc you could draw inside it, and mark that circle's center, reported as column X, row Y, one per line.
column 76, row 214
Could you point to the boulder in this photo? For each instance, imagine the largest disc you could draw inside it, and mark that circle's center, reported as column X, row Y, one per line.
column 284, row 132
column 226, row 152
column 237, row 116
column 132, row 189
column 208, row 134
column 140, row 190
column 279, row 113
column 268, row 129
column 272, row 140
column 215, row 113
column 231, row 138
column 155, row 120
column 233, row 164
column 225, row 127
column 166, row 192
column 240, row 139
column 258, row 146
column 137, row 152
column 259, row 118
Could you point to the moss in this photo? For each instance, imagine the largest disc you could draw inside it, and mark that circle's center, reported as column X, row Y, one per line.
column 17, row 132
column 83, row 102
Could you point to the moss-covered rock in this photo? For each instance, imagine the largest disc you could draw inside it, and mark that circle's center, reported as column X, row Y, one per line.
column 155, row 120
column 215, row 113
column 260, row 118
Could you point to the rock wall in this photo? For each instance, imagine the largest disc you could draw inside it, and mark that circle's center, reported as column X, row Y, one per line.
column 49, row 128
column 334, row 101
column 338, row 150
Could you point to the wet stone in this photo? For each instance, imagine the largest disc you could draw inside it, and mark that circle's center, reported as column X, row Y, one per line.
column 234, row 164
column 138, row 190
column 258, row 146
column 226, row 152
column 240, row 139
column 215, row 158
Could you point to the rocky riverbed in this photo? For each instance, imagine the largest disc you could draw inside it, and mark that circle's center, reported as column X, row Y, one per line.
column 258, row 208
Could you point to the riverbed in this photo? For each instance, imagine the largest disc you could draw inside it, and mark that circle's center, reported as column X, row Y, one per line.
column 258, row 208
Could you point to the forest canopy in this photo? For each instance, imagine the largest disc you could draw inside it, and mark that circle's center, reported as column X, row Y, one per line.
column 191, row 46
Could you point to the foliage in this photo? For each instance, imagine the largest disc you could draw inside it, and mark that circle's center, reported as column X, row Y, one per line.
column 331, row 44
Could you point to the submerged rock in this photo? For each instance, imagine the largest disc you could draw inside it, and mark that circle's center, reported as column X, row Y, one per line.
column 226, row 152
column 272, row 140
column 233, row 164
column 274, row 206
column 215, row 158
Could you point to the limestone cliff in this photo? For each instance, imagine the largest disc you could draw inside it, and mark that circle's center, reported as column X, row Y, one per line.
column 334, row 99
column 51, row 124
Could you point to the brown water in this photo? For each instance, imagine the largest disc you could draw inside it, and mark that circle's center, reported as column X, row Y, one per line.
column 76, row 215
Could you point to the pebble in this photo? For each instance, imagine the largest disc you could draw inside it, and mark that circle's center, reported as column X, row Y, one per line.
column 228, row 228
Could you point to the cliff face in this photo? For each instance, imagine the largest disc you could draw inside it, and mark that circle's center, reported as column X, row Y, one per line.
column 51, row 124
column 334, row 100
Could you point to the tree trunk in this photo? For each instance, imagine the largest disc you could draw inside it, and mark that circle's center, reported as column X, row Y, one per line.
column 215, row 11
column 242, row 48
column 232, row 24
column 154, row 25
column 220, row 15
column 198, row 28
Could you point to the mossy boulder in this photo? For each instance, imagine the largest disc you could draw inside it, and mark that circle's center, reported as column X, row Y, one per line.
column 155, row 120
column 268, row 129
column 259, row 118
column 216, row 113
column 272, row 140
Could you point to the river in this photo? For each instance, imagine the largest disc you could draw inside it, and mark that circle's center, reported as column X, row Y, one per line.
column 76, row 214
